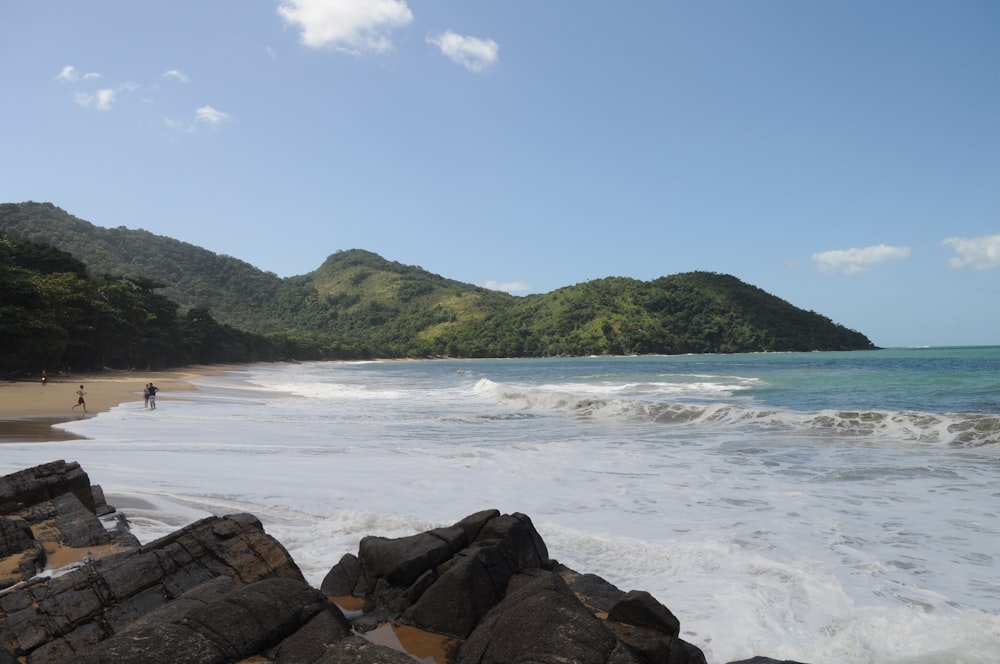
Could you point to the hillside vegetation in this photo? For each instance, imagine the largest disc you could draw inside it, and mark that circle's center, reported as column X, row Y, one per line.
column 358, row 304
column 55, row 314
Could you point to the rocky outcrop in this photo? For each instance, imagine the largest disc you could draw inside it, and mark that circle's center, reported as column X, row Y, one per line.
column 51, row 510
column 50, row 619
column 43, row 483
column 482, row 591
column 217, row 622
column 488, row 581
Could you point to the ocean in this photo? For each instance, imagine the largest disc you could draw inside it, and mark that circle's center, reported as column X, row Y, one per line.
column 823, row 507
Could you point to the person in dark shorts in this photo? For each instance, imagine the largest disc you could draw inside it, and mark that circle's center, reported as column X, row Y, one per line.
column 80, row 401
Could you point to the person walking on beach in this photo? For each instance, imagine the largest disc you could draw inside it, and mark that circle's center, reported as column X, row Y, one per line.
column 152, row 390
column 45, row 377
column 80, row 400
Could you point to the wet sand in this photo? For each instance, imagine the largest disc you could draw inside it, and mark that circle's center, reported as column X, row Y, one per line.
column 29, row 408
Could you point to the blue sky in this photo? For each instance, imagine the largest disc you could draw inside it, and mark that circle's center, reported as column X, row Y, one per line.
column 844, row 156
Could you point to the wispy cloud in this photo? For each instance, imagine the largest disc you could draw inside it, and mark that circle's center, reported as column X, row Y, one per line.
column 508, row 286
column 206, row 115
column 978, row 252
column 102, row 100
column 476, row 55
column 175, row 74
column 853, row 261
column 353, row 26
column 71, row 74
column 106, row 98
column 211, row 116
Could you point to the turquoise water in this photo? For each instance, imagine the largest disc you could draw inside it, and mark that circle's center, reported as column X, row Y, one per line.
column 933, row 380
column 949, row 396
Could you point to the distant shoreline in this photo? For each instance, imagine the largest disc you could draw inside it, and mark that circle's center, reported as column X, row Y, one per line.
column 29, row 408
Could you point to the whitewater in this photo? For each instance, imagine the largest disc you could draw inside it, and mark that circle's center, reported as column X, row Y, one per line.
column 823, row 507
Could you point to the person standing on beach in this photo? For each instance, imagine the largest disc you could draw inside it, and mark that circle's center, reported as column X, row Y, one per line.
column 80, row 401
column 152, row 390
column 45, row 377
column 145, row 395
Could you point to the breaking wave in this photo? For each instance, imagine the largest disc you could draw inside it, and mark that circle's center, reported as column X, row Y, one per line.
column 968, row 430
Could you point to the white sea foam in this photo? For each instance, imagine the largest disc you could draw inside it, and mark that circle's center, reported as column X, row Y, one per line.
column 764, row 532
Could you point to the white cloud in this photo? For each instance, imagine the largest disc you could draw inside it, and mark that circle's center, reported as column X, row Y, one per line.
column 102, row 100
column 353, row 26
column 176, row 74
column 206, row 115
column 70, row 74
column 473, row 53
column 210, row 115
column 853, row 261
column 979, row 252
column 508, row 287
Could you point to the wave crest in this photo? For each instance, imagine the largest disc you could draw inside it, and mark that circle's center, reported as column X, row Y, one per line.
column 955, row 430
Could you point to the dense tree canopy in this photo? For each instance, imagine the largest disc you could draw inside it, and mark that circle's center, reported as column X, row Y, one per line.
column 357, row 304
column 54, row 316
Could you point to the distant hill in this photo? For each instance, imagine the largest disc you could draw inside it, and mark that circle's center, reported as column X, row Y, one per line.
column 231, row 289
column 361, row 300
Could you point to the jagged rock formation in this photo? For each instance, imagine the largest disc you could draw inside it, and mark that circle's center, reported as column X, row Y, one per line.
column 49, row 512
column 482, row 591
column 489, row 582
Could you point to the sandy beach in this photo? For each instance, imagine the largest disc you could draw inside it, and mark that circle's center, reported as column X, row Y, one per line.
column 28, row 408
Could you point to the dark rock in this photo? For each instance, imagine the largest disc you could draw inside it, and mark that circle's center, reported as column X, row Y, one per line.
column 523, row 542
column 54, row 504
column 120, row 530
column 596, row 593
column 68, row 522
column 473, row 524
column 444, row 580
column 358, row 650
column 372, row 620
column 43, row 483
column 312, row 641
column 342, row 579
column 640, row 609
column 242, row 623
column 647, row 628
column 15, row 536
column 402, row 560
column 651, row 646
column 24, row 556
column 540, row 620
column 101, row 507
column 99, row 599
column 434, row 582
column 464, row 590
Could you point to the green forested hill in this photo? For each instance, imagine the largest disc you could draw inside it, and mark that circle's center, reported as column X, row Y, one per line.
column 360, row 304
column 233, row 290
column 55, row 314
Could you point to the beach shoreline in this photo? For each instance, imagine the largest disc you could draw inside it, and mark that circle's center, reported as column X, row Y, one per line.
column 29, row 408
